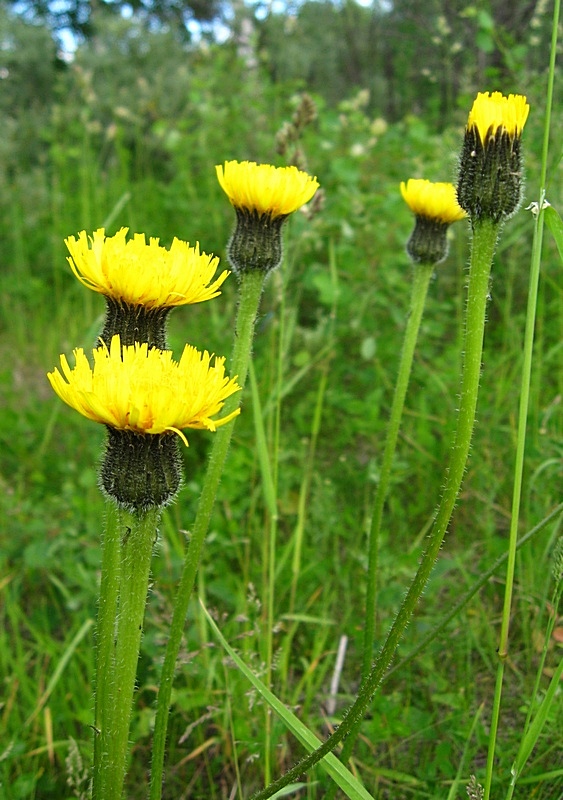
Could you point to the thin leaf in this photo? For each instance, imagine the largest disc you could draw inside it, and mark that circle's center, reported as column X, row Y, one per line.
column 60, row 668
column 337, row 771
column 533, row 732
column 555, row 225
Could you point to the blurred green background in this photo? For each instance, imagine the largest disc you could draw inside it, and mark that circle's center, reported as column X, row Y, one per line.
column 115, row 114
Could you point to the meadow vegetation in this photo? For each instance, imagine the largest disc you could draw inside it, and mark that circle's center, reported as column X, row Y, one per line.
column 128, row 134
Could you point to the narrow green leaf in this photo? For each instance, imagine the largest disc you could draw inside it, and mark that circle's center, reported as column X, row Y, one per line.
column 337, row 771
column 555, row 225
column 287, row 790
column 533, row 733
column 85, row 627
column 262, row 447
column 542, row 777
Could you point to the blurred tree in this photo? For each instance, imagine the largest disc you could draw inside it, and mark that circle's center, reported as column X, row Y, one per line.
column 29, row 67
column 413, row 55
column 78, row 16
column 327, row 47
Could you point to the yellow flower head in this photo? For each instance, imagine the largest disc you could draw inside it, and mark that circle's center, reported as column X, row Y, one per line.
column 146, row 391
column 275, row 191
column 495, row 112
column 489, row 185
column 435, row 201
column 142, row 274
column 435, row 207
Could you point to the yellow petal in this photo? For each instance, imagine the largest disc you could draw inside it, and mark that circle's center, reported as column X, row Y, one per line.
column 435, row 201
column 276, row 191
column 137, row 273
column 146, row 391
column 491, row 112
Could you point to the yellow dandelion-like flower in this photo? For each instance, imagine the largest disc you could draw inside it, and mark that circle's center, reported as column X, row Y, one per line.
column 435, row 201
column 144, row 390
column 142, row 274
column 435, row 207
column 275, row 191
column 494, row 112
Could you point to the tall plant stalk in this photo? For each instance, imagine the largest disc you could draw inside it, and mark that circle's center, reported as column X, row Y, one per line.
column 105, row 634
column 522, row 413
column 421, row 279
column 419, row 291
column 483, row 244
column 128, row 547
column 251, row 285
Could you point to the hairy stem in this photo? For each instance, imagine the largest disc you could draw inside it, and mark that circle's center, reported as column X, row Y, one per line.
column 251, row 285
column 484, row 240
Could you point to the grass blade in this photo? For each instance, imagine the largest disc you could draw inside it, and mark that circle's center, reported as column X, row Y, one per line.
column 60, row 668
column 337, row 771
column 555, row 225
column 535, row 729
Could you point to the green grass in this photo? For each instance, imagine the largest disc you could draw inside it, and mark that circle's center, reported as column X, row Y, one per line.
column 429, row 723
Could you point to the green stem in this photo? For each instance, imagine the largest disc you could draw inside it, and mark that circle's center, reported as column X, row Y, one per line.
column 305, row 488
column 516, row 497
column 523, row 409
column 464, row 600
column 251, row 285
column 484, row 240
column 269, row 487
column 105, row 635
column 532, row 728
column 419, row 290
column 137, row 533
column 517, row 488
column 421, row 280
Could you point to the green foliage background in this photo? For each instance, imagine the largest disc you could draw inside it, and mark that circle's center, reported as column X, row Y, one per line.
column 128, row 133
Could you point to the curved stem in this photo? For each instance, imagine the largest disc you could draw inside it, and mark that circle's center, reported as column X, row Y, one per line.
column 464, row 600
column 484, row 240
column 251, row 285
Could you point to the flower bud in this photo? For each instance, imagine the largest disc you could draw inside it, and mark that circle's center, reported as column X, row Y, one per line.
column 490, row 170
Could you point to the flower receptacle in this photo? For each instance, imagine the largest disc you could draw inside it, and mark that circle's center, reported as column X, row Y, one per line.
column 256, row 244
column 135, row 323
column 141, row 471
